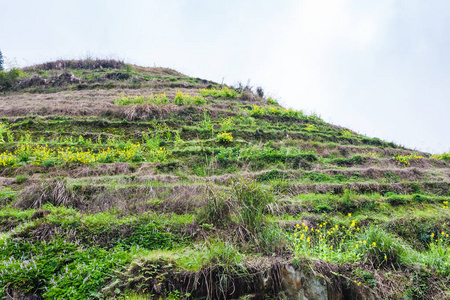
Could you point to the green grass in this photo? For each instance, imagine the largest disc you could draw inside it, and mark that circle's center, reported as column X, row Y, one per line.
column 140, row 99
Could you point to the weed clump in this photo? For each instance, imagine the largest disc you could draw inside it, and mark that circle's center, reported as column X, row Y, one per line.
column 225, row 137
column 224, row 92
column 182, row 99
column 259, row 111
column 217, row 209
column 381, row 248
column 444, row 156
column 56, row 192
column 140, row 99
column 253, row 200
column 405, row 160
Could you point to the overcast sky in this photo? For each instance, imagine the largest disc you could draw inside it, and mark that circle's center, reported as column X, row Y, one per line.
column 381, row 68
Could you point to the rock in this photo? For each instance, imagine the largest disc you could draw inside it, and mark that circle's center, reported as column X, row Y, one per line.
column 34, row 80
column 298, row 285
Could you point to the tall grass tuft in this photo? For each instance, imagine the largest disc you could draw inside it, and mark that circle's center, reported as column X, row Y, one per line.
column 381, row 247
column 253, row 201
column 217, row 208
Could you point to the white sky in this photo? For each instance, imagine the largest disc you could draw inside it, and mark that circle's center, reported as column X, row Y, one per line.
column 381, row 68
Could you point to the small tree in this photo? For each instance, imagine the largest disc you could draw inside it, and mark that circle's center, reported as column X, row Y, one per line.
column 1, row 61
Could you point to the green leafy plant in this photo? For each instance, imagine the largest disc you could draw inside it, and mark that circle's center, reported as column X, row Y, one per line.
column 140, row 99
column 443, row 156
column 272, row 101
column 225, row 137
column 347, row 133
column 227, row 124
column 404, row 160
column 3, row 129
column 380, row 247
column 182, row 99
column 206, row 123
column 259, row 111
column 224, row 92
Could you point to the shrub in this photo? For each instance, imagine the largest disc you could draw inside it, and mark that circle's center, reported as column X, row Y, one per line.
column 260, row 92
column 8, row 79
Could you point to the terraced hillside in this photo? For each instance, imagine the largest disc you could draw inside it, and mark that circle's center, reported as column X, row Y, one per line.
column 124, row 182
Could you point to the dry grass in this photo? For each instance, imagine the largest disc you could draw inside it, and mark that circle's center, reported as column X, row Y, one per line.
column 158, row 71
column 179, row 199
column 438, row 188
column 55, row 192
column 327, row 150
column 85, row 103
column 147, row 111
column 77, row 64
column 408, row 174
column 77, row 103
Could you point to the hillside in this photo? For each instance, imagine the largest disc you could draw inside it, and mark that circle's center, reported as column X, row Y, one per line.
column 124, row 182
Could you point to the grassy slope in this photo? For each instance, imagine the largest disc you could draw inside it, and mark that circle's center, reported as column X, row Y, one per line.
column 171, row 197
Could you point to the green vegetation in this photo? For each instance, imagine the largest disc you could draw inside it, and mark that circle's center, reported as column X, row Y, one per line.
column 9, row 78
column 155, row 185
column 181, row 99
column 224, row 92
column 139, row 99
column 1, row 61
column 86, row 152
